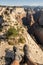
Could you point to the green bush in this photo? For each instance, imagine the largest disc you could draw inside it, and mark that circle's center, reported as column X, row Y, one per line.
column 21, row 40
column 12, row 32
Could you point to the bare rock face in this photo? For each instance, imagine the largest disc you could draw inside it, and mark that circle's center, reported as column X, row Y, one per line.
column 41, row 18
column 38, row 31
column 36, row 16
column 30, row 17
column 32, row 20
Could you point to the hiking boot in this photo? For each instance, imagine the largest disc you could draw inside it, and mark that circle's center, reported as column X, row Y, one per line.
column 26, row 56
column 26, row 52
column 17, row 54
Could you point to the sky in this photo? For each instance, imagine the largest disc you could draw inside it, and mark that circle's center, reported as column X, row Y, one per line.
column 21, row 2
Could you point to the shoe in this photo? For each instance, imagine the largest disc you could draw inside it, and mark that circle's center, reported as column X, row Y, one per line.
column 26, row 56
column 17, row 54
column 26, row 52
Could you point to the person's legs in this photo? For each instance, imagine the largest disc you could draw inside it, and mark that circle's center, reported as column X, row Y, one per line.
column 15, row 62
column 17, row 56
column 26, row 56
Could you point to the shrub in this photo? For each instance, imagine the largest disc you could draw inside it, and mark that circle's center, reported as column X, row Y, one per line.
column 21, row 40
column 12, row 32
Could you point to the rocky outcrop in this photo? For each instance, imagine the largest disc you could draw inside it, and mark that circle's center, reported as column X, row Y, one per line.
column 38, row 27
column 41, row 18
column 38, row 31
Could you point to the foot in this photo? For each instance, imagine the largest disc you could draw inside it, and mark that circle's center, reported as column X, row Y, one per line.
column 26, row 56
column 17, row 54
column 26, row 52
